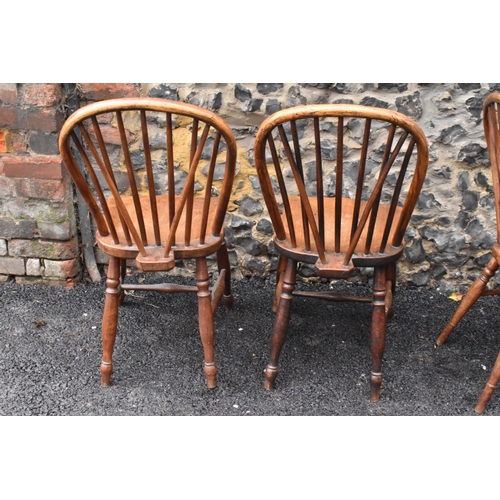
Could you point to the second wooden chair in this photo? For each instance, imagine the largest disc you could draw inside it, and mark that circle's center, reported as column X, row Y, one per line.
column 334, row 190
column 491, row 123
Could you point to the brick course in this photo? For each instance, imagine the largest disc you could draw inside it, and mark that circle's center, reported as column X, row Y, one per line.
column 43, row 249
column 33, row 167
column 101, row 91
column 11, row 228
column 8, row 93
column 42, row 94
column 43, row 143
column 5, row 142
column 61, row 268
column 11, row 265
column 8, row 117
column 19, row 141
column 45, row 120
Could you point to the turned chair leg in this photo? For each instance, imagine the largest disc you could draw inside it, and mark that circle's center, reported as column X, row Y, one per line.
column 223, row 263
column 490, row 386
column 110, row 319
column 280, row 323
column 474, row 292
column 378, row 331
column 206, row 321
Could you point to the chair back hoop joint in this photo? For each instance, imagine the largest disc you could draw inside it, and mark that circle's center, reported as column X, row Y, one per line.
column 155, row 259
column 334, row 267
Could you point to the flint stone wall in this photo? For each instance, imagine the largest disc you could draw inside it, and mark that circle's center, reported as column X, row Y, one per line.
column 449, row 236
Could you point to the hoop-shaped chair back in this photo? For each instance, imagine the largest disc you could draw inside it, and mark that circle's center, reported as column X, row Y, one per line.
column 491, row 122
column 342, row 183
column 155, row 174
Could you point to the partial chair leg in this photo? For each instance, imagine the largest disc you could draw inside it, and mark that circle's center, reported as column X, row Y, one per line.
column 490, row 386
column 110, row 319
column 378, row 331
column 282, row 260
column 390, row 289
column 206, row 321
column 223, row 263
column 123, row 273
column 280, row 323
column 474, row 292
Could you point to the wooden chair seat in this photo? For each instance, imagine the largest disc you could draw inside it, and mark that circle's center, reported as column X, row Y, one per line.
column 359, row 258
column 179, row 248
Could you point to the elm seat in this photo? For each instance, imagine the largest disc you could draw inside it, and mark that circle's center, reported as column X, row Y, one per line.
column 340, row 183
column 179, row 249
column 156, row 176
column 359, row 258
column 491, row 122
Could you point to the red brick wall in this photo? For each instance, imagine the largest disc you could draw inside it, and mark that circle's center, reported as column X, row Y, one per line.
column 38, row 241
column 38, row 236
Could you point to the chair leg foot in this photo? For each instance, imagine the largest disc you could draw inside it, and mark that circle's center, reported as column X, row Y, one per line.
column 445, row 333
column 106, row 371
column 211, row 374
column 228, row 301
column 270, row 374
column 485, row 397
column 375, row 382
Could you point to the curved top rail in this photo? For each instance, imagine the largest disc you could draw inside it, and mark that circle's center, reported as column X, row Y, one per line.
column 150, row 104
column 344, row 110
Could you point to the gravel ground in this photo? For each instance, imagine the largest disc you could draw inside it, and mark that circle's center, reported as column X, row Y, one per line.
column 50, row 352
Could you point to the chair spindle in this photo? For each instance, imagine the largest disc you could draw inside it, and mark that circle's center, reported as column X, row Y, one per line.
column 339, row 183
column 284, row 194
column 131, row 178
column 107, row 163
column 319, row 181
column 151, row 182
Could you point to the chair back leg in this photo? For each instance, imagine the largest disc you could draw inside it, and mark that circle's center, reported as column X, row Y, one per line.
column 490, row 386
column 474, row 292
column 377, row 343
column 281, row 322
column 282, row 260
column 223, row 263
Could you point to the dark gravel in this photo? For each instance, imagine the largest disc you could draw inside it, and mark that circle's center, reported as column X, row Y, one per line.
column 50, row 353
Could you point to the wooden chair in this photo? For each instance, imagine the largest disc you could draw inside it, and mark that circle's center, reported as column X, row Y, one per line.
column 491, row 122
column 333, row 194
column 149, row 171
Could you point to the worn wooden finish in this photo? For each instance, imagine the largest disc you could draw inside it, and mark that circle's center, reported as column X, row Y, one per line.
column 123, row 161
column 491, row 121
column 360, row 222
